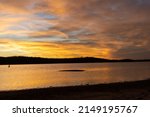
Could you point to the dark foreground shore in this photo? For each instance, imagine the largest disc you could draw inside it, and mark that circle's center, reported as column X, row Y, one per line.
column 137, row 90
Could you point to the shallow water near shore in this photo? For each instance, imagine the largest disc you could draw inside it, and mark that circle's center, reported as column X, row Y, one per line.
column 18, row 77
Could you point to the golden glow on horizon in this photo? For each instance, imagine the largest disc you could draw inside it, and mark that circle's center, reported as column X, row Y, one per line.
column 51, row 50
column 64, row 29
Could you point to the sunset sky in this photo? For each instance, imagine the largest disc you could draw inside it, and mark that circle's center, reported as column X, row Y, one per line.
column 75, row 28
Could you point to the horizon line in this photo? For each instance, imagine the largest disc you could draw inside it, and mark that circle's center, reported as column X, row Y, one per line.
column 73, row 58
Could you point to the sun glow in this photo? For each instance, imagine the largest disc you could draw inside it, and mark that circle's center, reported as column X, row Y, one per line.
column 63, row 29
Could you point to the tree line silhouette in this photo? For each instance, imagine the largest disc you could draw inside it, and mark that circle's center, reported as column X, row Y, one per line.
column 38, row 60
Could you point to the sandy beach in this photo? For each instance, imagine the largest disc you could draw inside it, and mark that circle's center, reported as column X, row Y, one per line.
column 135, row 90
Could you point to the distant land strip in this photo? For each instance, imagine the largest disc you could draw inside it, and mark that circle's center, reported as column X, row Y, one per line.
column 38, row 60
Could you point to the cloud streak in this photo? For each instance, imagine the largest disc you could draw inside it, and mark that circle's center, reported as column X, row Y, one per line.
column 63, row 28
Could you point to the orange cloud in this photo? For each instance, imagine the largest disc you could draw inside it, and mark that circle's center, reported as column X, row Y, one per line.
column 66, row 28
column 50, row 33
column 54, row 50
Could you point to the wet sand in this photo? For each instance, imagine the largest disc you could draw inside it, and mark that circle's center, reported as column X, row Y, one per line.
column 136, row 90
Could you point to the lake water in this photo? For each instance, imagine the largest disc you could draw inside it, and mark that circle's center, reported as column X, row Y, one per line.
column 46, row 75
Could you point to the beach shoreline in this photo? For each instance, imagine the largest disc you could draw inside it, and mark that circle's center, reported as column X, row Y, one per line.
column 134, row 90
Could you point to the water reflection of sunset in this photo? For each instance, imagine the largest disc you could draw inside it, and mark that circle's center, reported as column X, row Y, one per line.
column 38, row 76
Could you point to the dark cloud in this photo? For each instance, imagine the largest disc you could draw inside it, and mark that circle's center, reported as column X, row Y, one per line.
column 132, row 52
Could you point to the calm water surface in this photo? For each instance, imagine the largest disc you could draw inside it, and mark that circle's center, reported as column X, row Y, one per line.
column 36, row 76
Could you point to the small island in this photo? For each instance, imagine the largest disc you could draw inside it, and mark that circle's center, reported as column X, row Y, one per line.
column 72, row 70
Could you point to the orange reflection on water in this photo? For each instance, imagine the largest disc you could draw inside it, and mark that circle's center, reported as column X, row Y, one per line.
column 37, row 76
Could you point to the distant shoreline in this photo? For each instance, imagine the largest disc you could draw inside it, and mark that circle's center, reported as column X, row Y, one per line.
column 134, row 90
column 38, row 60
